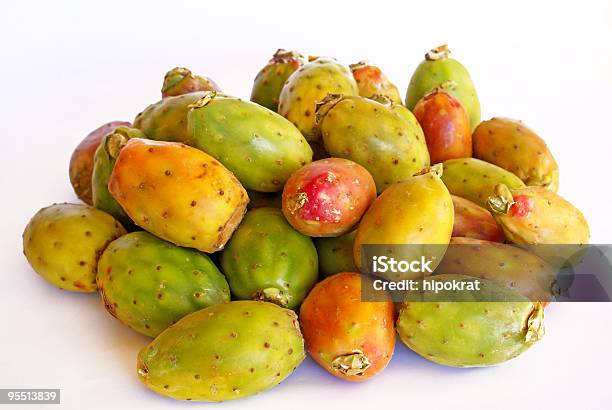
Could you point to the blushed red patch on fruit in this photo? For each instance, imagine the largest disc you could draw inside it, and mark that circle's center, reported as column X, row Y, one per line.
column 522, row 206
column 321, row 194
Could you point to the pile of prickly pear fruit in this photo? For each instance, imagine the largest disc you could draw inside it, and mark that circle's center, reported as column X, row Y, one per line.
column 231, row 231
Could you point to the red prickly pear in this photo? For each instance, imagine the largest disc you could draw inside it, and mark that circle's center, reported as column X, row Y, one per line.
column 372, row 81
column 270, row 79
column 473, row 221
column 180, row 80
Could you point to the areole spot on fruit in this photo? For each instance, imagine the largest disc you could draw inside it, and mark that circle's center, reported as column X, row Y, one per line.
column 351, row 364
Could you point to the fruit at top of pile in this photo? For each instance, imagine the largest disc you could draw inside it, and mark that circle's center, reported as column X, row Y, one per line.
column 351, row 339
column 259, row 146
column 270, row 79
column 512, row 145
column 82, row 160
column 473, row 221
column 328, row 197
column 372, row 81
column 149, row 284
column 310, row 84
column 266, row 259
column 180, row 80
column 63, row 242
column 438, row 68
column 467, row 332
column 224, row 352
column 374, row 135
column 445, row 124
column 336, row 254
column 178, row 193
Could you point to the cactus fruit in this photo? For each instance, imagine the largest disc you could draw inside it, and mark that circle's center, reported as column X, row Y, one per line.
column 63, row 243
column 473, row 221
column 374, row 135
column 180, row 80
column 372, row 81
column 437, row 69
column 445, row 124
column 351, row 339
column 82, row 160
column 178, row 193
column 475, row 180
column 336, row 254
column 470, row 333
column 259, row 146
column 266, row 259
column 328, row 197
column 512, row 145
column 270, row 79
column 149, row 284
column 224, row 352
column 310, row 84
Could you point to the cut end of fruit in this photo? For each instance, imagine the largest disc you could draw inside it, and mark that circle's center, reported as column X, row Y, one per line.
column 272, row 295
column 351, row 364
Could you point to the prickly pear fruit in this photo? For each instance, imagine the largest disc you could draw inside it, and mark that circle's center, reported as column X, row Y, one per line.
column 310, row 84
column 336, row 254
column 446, row 126
column 473, row 221
column 178, row 193
column 470, row 333
column 224, row 352
column 351, row 339
column 437, row 69
column 82, row 160
column 372, row 81
column 259, row 146
column 63, row 242
column 373, row 135
column 512, row 145
column 104, row 161
column 267, row 259
column 264, row 199
column 270, row 79
column 328, row 197
column 473, row 179
column 180, row 80
column 149, row 284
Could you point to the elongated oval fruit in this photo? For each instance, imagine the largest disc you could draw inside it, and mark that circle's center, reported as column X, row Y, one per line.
column 470, row 334
column 374, row 135
column 328, row 197
column 181, row 80
column 437, row 69
column 473, row 221
column 351, row 339
column 149, row 284
column 270, row 79
column 267, row 259
column 259, row 146
column 372, row 81
column 63, row 242
column 475, row 180
column 310, row 84
column 178, row 193
column 512, row 145
column 336, row 254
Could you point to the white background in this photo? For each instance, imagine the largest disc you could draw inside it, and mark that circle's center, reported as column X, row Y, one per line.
column 67, row 67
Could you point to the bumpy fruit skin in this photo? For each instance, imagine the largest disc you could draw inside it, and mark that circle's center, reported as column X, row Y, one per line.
column 266, row 259
column 512, row 145
column 180, row 80
column 270, row 79
column 63, row 243
column 374, row 135
column 259, row 146
column 351, row 339
column 438, row 69
column 372, row 81
column 224, row 352
column 473, row 221
column 82, row 160
column 475, row 180
column 470, row 334
column 336, row 254
column 149, row 284
column 446, row 126
column 178, row 193
column 310, row 84
column 328, row 197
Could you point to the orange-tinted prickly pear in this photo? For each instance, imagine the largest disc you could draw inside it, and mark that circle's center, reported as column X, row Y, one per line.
column 372, row 81
column 473, row 221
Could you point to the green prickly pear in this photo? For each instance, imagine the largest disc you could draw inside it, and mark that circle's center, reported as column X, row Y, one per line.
column 180, row 80
column 336, row 254
column 270, row 79
column 372, row 81
column 149, row 284
column 266, row 259
column 63, row 242
column 259, row 146
column 224, row 352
